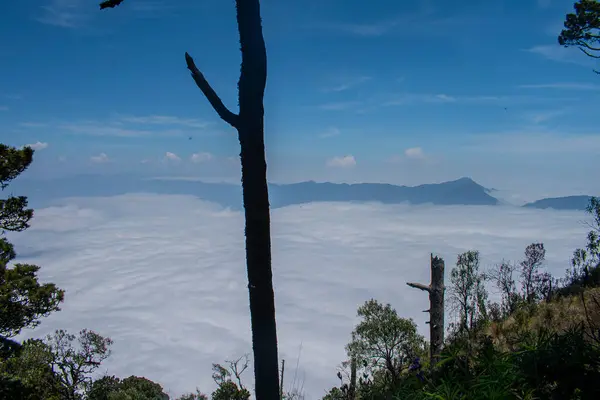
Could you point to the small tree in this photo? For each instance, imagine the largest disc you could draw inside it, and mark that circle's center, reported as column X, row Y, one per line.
column 534, row 282
column 382, row 341
column 503, row 277
column 582, row 28
column 74, row 363
column 193, row 396
column 586, row 261
column 468, row 291
column 132, row 388
column 23, row 300
column 223, row 377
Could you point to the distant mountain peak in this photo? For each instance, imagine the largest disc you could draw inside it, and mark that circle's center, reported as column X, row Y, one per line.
column 465, row 179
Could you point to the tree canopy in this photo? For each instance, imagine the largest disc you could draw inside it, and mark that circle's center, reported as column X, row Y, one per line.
column 582, row 28
column 23, row 300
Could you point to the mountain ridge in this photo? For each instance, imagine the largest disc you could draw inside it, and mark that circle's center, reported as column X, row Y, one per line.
column 576, row 202
column 462, row 191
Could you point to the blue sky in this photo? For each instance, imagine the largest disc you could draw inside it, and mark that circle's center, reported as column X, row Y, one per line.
column 401, row 92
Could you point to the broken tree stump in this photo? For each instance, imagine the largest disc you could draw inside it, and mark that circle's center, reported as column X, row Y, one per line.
column 436, row 307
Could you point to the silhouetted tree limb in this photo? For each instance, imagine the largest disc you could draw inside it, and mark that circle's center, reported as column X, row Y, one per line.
column 211, row 95
column 110, row 4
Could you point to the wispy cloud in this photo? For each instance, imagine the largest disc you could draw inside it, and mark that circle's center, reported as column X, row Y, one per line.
column 165, row 120
column 81, row 14
column 373, row 29
column 3, row 108
column 100, row 158
column 414, row 98
column 349, row 83
column 66, row 13
column 331, row 132
column 543, row 142
column 538, row 117
column 442, row 98
column 37, row 145
column 201, row 157
column 127, row 126
column 99, row 129
column 340, row 106
column 342, row 162
column 562, row 86
column 420, row 22
column 561, row 54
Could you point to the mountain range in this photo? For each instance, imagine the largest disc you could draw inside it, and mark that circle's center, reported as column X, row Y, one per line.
column 463, row 191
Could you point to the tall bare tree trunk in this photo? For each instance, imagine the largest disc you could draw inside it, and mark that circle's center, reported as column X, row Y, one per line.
column 256, row 199
column 250, row 126
column 436, row 307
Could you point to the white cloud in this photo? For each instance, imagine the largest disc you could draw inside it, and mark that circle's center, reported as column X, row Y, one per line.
column 535, row 142
column 165, row 120
column 170, row 324
column 128, row 126
column 172, row 156
column 94, row 128
column 558, row 53
column 349, row 83
column 201, row 157
column 410, row 154
column 331, row 132
column 540, row 116
column 37, row 145
column 342, row 162
column 3, row 108
column 100, row 158
column 340, row 106
column 65, row 13
column 562, row 85
column 445, row 98
column 415, row 153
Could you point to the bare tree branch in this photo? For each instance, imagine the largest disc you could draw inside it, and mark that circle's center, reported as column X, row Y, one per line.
column 587, row 53
column 211, row 95
column 419, row 286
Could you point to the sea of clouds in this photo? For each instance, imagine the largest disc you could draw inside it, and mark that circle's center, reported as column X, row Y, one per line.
column 164, row 276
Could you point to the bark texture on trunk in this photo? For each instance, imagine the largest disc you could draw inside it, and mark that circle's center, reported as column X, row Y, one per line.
column 436, row 291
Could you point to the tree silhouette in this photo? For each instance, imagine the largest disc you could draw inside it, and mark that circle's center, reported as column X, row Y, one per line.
column 249, row 123
column 582, row 28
